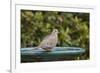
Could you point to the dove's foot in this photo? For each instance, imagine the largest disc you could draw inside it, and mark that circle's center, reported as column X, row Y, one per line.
column 47, row 49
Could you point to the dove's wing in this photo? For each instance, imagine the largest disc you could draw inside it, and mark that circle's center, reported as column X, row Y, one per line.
column 49, row 41
column 44, row 41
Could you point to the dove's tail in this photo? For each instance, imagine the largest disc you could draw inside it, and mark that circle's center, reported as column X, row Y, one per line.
column 36, row 48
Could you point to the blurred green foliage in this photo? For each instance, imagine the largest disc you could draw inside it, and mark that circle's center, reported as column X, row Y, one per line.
column 73, row 28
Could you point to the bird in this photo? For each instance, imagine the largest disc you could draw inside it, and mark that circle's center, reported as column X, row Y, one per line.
column 50, row 41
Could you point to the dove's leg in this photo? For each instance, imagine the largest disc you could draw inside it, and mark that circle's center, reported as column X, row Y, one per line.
column 47, row 49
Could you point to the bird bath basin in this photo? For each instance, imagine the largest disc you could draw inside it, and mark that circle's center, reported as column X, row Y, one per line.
column 56, row 54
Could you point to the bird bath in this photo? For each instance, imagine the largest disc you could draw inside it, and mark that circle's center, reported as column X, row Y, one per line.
column 56, row 54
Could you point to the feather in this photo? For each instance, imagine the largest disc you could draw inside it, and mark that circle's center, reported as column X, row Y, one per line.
column 50, row 41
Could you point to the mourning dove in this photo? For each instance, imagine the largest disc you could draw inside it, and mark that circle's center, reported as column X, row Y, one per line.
column 49, row 41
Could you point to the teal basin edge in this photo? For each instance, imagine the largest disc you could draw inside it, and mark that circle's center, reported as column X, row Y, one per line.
column 33, row 54
column 56, row 50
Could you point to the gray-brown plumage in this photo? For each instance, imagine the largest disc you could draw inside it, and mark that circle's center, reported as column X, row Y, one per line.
column 49, row 41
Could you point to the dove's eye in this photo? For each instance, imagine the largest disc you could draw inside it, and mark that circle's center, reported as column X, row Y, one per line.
column 55, row 31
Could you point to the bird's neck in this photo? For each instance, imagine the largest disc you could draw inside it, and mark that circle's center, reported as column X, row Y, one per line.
column 54, row 34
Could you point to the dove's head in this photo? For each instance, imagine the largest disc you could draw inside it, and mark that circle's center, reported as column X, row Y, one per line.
column 55, row 31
